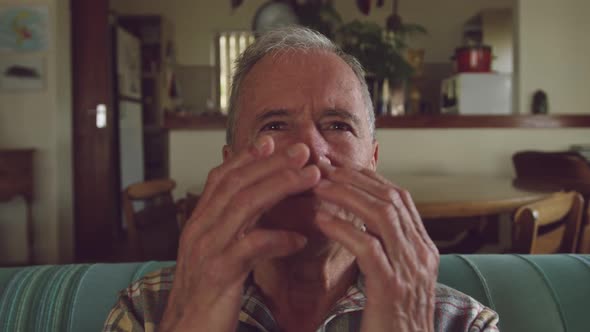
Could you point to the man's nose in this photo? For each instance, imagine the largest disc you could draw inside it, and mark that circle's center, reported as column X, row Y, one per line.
column 318, row 147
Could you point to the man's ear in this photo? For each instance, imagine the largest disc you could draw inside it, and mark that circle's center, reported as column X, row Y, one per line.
column 228, row 152
column 375, row 155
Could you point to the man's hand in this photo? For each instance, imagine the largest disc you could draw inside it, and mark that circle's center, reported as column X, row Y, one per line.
column 217, row 251
column 395, row 254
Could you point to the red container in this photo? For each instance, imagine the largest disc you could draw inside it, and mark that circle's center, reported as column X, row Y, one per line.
column 473, row 59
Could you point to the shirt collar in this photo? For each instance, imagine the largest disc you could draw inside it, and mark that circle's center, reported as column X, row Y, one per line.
column 255, row 313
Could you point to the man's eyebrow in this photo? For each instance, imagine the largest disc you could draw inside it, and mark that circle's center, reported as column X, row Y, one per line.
column 270, row 114
column 342, row 114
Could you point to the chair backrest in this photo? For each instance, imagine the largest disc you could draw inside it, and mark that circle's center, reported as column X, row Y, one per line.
column 152, row 225
column 551, row 225
column 543, row 164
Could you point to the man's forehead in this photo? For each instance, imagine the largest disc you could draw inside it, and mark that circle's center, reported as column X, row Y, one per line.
column 295, row 79
column 304, row 72
column 301, row 63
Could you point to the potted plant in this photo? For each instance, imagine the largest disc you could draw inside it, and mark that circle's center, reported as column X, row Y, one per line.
column 382, row 53
column 381, row 50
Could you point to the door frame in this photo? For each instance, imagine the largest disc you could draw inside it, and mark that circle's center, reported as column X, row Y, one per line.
column 96, row 175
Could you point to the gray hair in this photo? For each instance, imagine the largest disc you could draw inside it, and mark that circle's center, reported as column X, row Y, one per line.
column 288, row 39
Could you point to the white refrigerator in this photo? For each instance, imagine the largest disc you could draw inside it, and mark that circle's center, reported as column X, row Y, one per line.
column 129, row 104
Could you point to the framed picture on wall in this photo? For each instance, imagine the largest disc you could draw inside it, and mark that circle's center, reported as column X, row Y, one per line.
column 21, row 73
column 24, row 28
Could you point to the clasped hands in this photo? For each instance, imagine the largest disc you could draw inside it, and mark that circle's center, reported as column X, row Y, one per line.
column 220, row 243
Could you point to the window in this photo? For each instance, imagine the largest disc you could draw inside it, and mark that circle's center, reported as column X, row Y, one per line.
column 229, row 46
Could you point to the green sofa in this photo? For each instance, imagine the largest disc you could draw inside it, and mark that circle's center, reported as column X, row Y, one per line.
column 531, row 293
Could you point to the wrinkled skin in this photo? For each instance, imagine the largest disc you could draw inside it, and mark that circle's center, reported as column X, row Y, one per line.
column 302, row 142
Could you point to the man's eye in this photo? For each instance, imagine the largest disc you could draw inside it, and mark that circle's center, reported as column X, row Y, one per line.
column 276, row 125
column 339, row 126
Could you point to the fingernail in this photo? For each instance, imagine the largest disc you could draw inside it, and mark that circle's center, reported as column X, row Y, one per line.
column 324, row 219
column 300, row 241
column 261, row 144
column 323, row 184
column 325, row 168
column 325, row 160
column 322, row 216
column 295, row 150
column 308, row 172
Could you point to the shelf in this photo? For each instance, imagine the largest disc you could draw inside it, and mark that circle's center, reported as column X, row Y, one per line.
column 485, row 121
column 180, row 121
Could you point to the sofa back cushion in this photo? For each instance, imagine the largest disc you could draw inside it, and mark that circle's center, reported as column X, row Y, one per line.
column 530, row 292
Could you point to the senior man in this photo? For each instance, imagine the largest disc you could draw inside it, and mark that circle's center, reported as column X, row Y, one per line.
column 295, row 230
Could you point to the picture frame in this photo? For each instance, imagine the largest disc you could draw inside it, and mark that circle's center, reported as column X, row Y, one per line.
column 19, row 73
column 24, row 28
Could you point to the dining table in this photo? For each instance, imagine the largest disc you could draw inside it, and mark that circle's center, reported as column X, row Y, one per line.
column 455, row 196
column 467, row 213
column 463, row 196
column 461, row 213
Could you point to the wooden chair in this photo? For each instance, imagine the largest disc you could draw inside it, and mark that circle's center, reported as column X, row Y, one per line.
column 462, row 235
column 152, row 229
column 554, row 171
column 550, row 225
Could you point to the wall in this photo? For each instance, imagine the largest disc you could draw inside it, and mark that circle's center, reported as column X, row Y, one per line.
column 196, row 21
column 481, row 151
column 498, row 30
column 549, row 43
column 428, row 151
column 41, row 120
column 554, row 53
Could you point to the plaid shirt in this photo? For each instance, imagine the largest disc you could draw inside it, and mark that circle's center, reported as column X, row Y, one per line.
column 141, row 306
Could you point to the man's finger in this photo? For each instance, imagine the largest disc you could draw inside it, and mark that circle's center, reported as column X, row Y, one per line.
column 379, row 216
column 230, row 189
column 409, row 204
column 236, row 180
column 419, row 225
column 261, row 244
column 247, row 206
column 355, row 178
column 263, row 147
column 387, row 220
column 367, row 249
column 378, row 186
column 373, row 185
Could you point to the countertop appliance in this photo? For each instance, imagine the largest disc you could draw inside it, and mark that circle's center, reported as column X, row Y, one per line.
column 477, row 93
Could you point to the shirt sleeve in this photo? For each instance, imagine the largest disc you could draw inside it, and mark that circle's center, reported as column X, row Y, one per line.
column 485, row 321
column 459, row 312
column 140, row 306
column 122, row 318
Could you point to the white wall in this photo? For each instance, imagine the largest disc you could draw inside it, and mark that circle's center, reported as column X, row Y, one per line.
column 554, row 53
column 473, row 151
column 443, row 19
column 425, row 151
column 498, row 26
column 550, row 43
column 195, row 22
column 41, row 120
